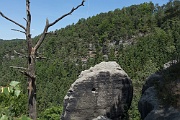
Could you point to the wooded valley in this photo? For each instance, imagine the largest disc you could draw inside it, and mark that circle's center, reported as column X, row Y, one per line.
column 140, row 38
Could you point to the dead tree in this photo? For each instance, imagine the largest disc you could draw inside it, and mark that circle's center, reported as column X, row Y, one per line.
column 32, row 53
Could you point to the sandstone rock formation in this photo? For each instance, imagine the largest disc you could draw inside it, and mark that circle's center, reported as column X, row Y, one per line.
column 150, row 106
column 103, row 92
column 101, row 118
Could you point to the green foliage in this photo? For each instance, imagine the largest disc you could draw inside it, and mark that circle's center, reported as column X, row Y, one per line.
column 133, row 111
column 141, row 38
column 14, row 89
column 12, row 103
column 23, row 117
column 4, row 117
column 168, row 91
column 52, row 113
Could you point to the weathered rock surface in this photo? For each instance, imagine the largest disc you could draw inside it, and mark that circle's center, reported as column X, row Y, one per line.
column 101, row 118
column 148, row 102
column 150, row 106
column 168, row 113
column 103, row 92
column 168, row 64
column 151, row 81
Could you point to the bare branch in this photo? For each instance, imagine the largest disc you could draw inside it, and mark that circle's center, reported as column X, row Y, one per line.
column 20, row 54
column 25, row 19
column 12, row 20
column 42, row 36
column 69, row 13
column 19, row 31
column 23, row 71
column 41, row 57
column 21, row 68
column 38, row 44
column 27, row 74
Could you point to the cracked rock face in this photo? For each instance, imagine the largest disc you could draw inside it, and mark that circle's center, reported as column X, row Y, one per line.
column 103, row 90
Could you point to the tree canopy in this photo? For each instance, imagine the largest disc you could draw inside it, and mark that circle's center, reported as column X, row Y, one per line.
column 141, row 38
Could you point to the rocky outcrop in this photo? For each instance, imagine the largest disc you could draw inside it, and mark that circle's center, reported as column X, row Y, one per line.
column 150, row 106
column 151, row 81
column 103, row 92
column 101, row 118
column 148, row 102
column 168, row 113
column 170, row 63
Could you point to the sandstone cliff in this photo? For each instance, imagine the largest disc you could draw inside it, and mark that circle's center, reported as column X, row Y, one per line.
column 102, row 92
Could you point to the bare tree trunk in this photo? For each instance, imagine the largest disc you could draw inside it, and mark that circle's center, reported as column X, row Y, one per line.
column 32, row 54
column 32, row 89
column 32, row 86
column 31, row 80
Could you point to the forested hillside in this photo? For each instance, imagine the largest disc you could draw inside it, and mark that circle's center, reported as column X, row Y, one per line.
column 141, row 38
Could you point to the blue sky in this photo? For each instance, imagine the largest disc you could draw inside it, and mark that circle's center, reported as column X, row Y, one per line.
column 52, row 9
